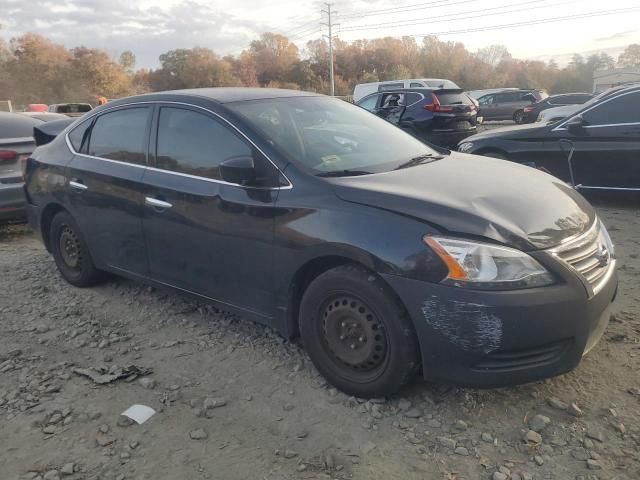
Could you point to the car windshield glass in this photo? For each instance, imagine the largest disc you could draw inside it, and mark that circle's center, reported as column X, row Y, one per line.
column 325, row 134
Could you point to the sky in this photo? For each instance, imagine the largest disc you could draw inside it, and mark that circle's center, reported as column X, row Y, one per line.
column 151, row 27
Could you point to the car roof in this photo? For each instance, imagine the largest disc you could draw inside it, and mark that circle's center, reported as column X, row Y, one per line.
column 223, row 94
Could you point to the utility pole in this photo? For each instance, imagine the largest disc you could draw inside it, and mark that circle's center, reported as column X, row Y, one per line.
column 329, row 24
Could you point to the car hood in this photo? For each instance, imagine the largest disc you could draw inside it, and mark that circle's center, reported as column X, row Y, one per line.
column 477, row 196
column 513, row 131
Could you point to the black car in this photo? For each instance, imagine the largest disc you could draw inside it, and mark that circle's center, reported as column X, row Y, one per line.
column 598, row 147
column 531, row 112
column 319, row 219
column 443, row 117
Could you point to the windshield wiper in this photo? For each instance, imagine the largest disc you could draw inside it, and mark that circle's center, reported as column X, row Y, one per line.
column 419, row 160
column 343, row 173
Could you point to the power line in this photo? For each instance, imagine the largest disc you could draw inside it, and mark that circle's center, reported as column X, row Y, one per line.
column 482, row 13
column 532, row 22
column 406, row 8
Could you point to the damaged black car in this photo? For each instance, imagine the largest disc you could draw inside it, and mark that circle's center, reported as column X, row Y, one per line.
column 310, row 215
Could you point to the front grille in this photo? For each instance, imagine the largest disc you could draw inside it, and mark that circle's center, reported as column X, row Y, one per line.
column 589, row 255
column 510, row 360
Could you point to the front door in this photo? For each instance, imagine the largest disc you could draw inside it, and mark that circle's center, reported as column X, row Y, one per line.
column 606, row 150
column 105, row 190
column 205, row 235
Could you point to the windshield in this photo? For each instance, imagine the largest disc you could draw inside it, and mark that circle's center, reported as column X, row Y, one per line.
column 326, row 134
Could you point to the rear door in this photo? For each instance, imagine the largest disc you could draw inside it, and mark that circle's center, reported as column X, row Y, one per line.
column 607, row 150
column 206, row 235
column 104, row 184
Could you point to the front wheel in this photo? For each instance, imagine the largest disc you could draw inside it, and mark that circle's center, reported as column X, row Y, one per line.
column 70, row 252
column 357, row 333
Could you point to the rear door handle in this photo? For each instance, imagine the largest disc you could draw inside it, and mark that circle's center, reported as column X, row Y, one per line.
column 74, row 184
column 154, row 202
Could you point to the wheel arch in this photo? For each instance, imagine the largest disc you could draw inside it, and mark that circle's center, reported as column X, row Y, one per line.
column 46, row 218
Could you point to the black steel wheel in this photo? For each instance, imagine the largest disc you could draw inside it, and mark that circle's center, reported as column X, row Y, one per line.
column 357, row 333
column 70, row 252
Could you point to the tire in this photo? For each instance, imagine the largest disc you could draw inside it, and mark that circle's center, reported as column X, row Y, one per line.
column 349, row 306
column 499, row 155
column 70, row 252
column 518, row 117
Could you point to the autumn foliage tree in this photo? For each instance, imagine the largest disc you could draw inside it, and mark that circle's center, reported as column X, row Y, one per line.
column 34, row 69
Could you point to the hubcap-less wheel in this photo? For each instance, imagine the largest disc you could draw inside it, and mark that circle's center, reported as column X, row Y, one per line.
column 352, row 334
column 519, row 117
column 70, row 248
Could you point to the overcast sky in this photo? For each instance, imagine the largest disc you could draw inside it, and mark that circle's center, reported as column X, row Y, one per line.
column 151, row 27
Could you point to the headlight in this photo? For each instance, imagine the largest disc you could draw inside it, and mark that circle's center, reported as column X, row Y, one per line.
column 606, row 239
column 485, row 266
column 465, row 147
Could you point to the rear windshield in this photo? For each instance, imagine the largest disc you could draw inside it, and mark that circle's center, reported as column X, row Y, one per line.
column 452, row 98
column 14, row 125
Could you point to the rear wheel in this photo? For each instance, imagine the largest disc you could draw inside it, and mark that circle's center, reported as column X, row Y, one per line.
column 70, row 252
column 357, row 334
column 518, row 117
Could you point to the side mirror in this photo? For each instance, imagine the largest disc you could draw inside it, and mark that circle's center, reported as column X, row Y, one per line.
column 576, row 124
column 238, row 170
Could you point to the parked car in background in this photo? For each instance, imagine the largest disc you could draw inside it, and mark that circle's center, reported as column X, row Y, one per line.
column 71, row 109
column 16, row 143
column 481, row 93
column 557, row 113
column 443, row 117
column 37, row 107
column 309, row 214
column 363, row 89
column 531, row 112
column 596, row 147
column 508, row 104
column 45, row 116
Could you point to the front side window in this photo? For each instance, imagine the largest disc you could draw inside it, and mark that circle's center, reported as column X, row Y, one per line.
column 369, row 103
column 120, row 135
column 622, row 109
column 194, row 143
column 326, row 135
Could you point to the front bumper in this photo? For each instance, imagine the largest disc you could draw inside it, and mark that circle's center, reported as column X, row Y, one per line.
column 12, row 202
column 492, row 339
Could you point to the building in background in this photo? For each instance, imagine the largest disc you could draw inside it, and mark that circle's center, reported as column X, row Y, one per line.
column 605, row 79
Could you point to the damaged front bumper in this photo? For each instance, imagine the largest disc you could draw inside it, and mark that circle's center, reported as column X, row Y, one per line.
column 498, row 338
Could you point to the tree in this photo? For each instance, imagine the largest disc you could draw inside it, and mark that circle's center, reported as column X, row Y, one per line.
column 273, row 55
column 493, row 55
column 98, row 73
column 630, row 57
column 127, row 61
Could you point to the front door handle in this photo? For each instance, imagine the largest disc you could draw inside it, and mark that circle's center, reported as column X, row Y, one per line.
column 77, row 185
column 155, row 203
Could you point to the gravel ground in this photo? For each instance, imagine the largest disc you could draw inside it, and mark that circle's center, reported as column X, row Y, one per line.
column 234, row 400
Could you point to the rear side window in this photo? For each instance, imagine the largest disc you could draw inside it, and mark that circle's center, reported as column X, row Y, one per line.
column 79, row 137
column 194, row 143
column 416, row 84
column 120, row 135
column 390, row 86
column 623, row 109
